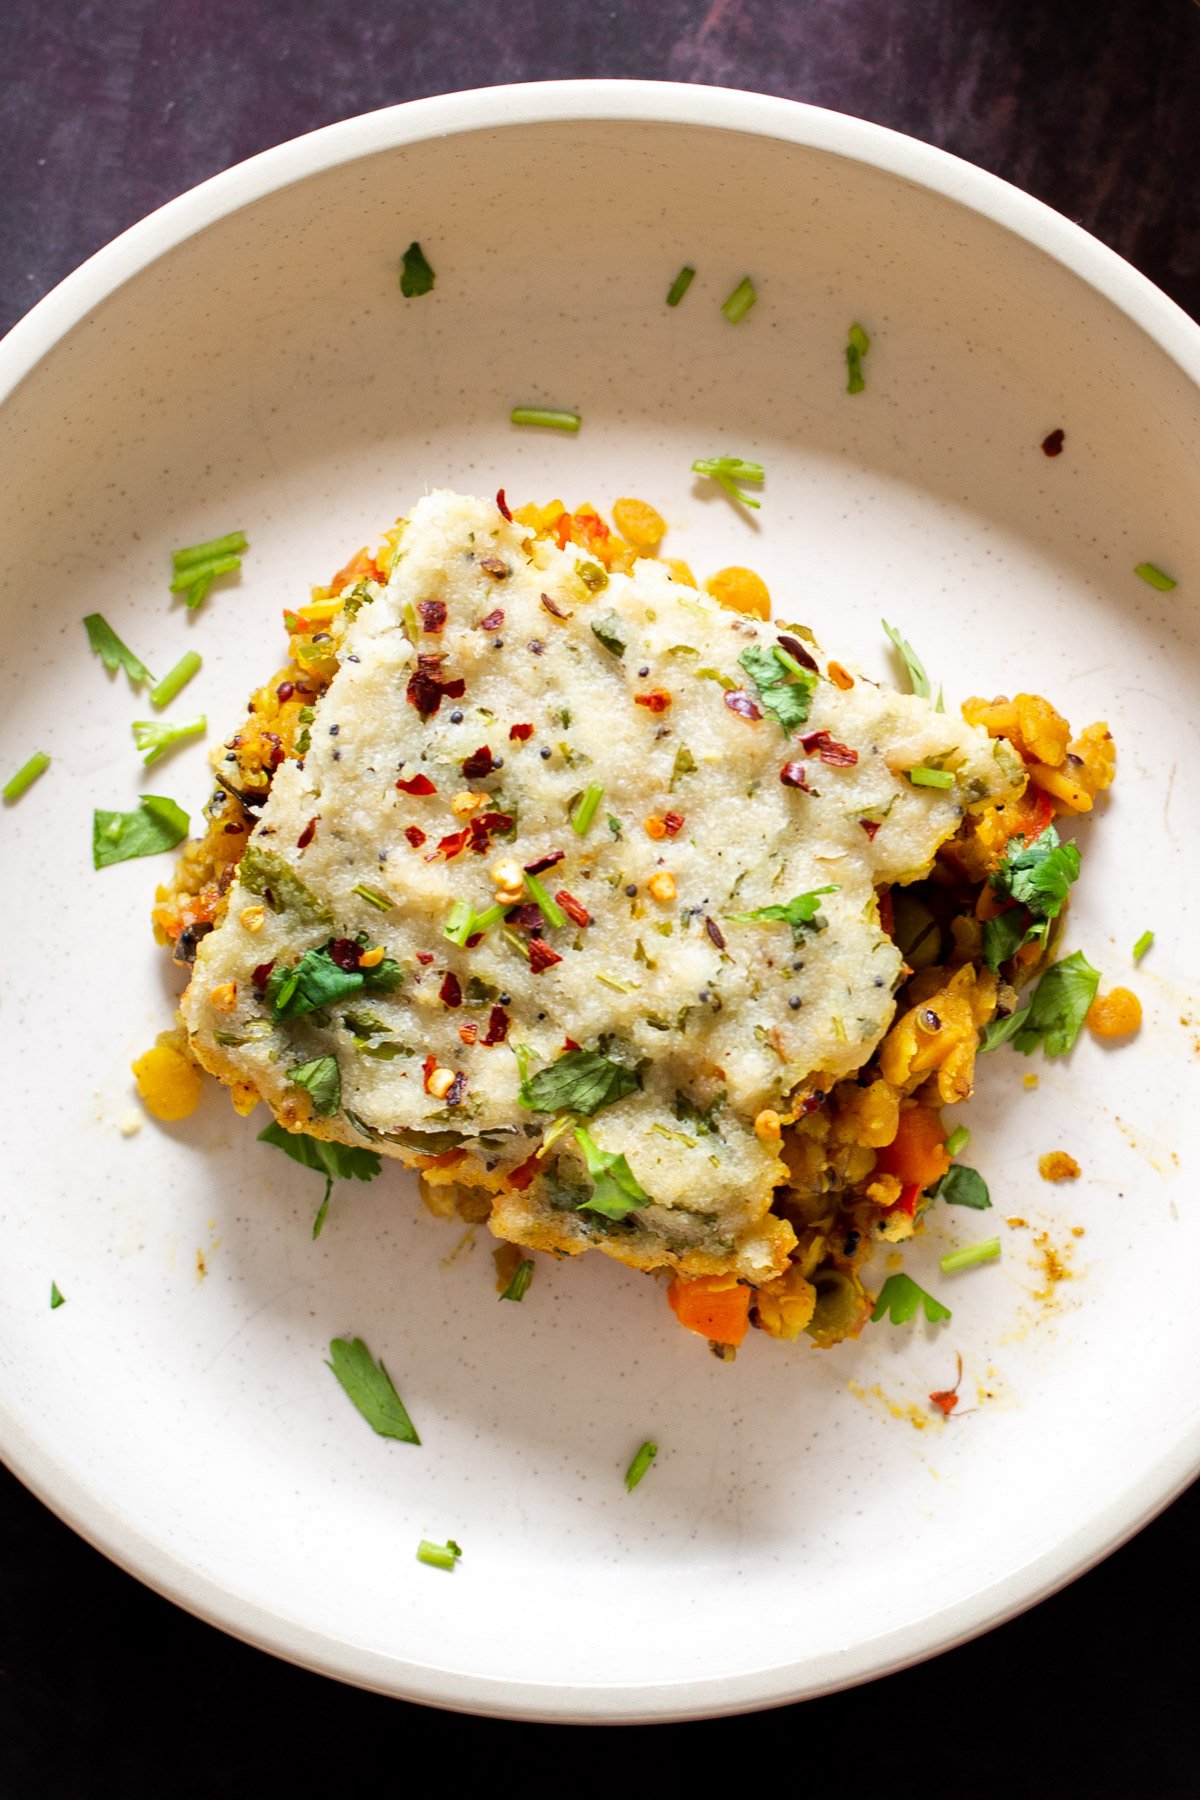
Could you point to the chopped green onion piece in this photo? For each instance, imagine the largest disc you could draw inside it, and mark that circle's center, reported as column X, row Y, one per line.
column 1142, row 945
column 416, row 276
column 789, row 662
column 958, row 1140
column 438, row 1556
column 194, row 574
column 585, row 812
column 728, row 471
column 987, row 1251
column 546, row 415
column 923, row 776
column 372, row 896
column 740, row 301
column 856, row 349
column 518, row 1287
column 196, row 596
column 113, row 653
column 232, row 544
column 26, row 775
column 458, row 922
column 56, row 1299
column 552, row 912
column 680, row 285
column 176, row 679
column 154, row 737
column 1155, row 577
column 639, row 1465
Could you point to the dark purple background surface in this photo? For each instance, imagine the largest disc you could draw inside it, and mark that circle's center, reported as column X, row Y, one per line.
column 106, row 111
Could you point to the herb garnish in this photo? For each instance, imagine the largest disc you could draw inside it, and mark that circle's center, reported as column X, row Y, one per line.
column 784, row 686
column 337, row 1162
column 916, row 669
column 372, row 896
column 317, row 980
column 585, row 812
column 802, row 913
column 987, row 1251
column 158, row 824
column 740, row 301
column 175, row 680
column 551, row 911
column 113, row 653
column 547, row 416
column 1155, row 577
column 154, row 737
column 639, row 1465
column 197, row 566
column 26, row 775
column 680, row 285
column 370, row 1388
column 857, row 347
column 616, row 1191
column 580, row 1081
column 961, row 1186
column 899, row 1298
column 1142, row 945
column 518, row 1287
column 438, row 1556
column 728, row 471
column 416, row 276
column 604, row 629
column 1039, row 877
column 958, row 1140
column 322, row 1081
column 925, row 775
column 1054, row 1016
column 56, row 1299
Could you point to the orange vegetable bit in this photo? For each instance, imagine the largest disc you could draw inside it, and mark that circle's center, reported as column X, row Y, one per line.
column 917, row 1153
column 717, row 1306
column 1116, row 1014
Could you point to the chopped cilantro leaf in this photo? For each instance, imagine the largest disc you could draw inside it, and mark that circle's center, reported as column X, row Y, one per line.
column 701, row 1119
column 1003, row 936
column 337, row 1162
column 803, row 914
column 921, row 683
column 1038, row 876
column 641, row 1462
column 416, row 276
column 961, row 1186
column 154, row 737
column 899, row 1299
column 113, row 653
column 1000, row 1031
column 1055, row 1014
column 56, row 1299
column 787, row 696
column 616, row 1191
column 322, row 1081
column 315, row 981
column 728, row 471
column 580, row 1081
column 158, row 824
column 370, row 1388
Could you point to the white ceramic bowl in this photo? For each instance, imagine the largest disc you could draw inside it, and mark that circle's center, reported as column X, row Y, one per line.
column 244, row 358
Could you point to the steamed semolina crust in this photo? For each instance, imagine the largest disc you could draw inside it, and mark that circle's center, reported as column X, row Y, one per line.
column 624, row 681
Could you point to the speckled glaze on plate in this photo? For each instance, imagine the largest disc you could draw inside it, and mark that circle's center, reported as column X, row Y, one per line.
column 244, row 358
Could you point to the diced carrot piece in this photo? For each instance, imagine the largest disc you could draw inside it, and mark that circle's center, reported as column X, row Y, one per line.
column 917, row 1153
column 717, row 1306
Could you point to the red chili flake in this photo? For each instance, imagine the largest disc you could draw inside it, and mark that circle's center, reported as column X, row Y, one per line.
column 346, row 954
column 277, row 752
column 427, row 687
column 541, row 956
column 433, row 615
column 570, row 1044
column 554, row 609
column 838, row 756
column 496, row 567
column 542, row 863
column 738, row 701
column 656, row 701
column 870, row 826
column 562, row 529
column 502, row 503
column 415, row 836
column 497, row 1027
column 946, row 1400
column 425, row 956
column 480, row 762
column 887, row 916
column 450, row 992
column 427, row 1068
column 523, row 1175
column 493, row 622
column 285, row 690
column 261, row 975
column 673, row 824
column 527, row 917
column 456, row 1090
column 416, row 784
column 518, row 734
column 715, row 933
column 481, row 827
column 1053, row 444
column 573, row 908
column 451, row 846
column 802, row 656
column 795, row 774
column 468, row 1032
column 308, row 834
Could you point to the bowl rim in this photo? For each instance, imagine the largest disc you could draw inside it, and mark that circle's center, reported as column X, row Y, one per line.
column 103, row 1524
